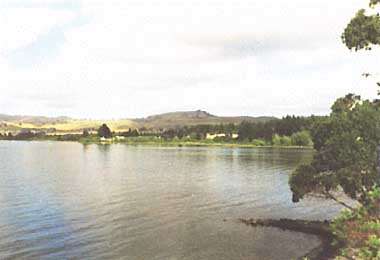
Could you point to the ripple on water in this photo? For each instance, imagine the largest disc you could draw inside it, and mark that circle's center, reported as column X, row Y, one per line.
column 68, row 201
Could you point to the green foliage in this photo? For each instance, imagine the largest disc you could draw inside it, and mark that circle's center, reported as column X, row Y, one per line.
column 249, row 132
column 104, row 131
column 129, row 133
column 373, row 241
column 362, row 31
column 69, row 137
column 371, row 225
column 24, row 135
column 282, row 127
column 259, row 142
column 281, row 140
column 357, row 231
column 302, row 138
column 346, row 143
column 85, row 133
column 246, row 131
column 374, row 2
column 193, row 136
column 223, row 139
column 302, row 181
column 276, row 140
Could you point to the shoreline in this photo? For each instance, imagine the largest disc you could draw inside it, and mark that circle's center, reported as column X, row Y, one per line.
column 200, row 144
column 321, row 229
column 169, row 143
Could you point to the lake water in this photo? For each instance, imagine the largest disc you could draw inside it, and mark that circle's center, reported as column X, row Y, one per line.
column 73, row 201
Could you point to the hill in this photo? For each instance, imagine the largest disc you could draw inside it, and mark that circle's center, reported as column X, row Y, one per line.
column 61, row 125
column 179, row 119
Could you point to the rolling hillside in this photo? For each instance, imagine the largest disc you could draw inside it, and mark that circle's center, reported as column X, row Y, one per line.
column 62, row 125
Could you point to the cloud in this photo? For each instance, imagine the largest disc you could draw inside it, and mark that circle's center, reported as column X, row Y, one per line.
column 44, row 47
column 20, row 27
column 51, row 4
column 37, row 31
column 132, row 58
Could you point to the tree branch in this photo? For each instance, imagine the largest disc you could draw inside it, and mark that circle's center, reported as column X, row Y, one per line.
column 330, row 196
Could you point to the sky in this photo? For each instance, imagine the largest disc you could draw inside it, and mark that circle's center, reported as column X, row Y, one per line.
column 134, row 58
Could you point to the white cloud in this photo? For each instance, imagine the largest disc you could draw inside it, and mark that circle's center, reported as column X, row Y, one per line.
column 134, row 58
column 21, row 26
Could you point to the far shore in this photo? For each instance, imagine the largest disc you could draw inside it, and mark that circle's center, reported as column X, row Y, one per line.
column 190, row 143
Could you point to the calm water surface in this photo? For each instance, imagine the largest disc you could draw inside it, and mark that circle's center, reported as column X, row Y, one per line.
column 72, row 201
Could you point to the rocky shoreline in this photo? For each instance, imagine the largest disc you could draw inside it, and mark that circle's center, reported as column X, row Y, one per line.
column 319, row 228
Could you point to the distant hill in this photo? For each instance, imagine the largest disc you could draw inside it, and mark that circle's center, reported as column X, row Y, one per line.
column 161, row 121
column 179, row 119
column 36, row 120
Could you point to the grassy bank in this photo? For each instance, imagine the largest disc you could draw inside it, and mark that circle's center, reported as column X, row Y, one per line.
column 151, row 140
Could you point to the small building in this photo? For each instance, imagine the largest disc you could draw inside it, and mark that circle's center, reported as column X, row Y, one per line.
column 213, row 136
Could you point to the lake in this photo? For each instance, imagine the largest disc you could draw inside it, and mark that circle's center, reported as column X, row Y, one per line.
column 71, row 201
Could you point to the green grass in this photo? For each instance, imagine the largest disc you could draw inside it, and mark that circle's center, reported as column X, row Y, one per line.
column 152, row 140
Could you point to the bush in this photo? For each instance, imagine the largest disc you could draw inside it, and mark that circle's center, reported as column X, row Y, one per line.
column 259, row 142
column 357, row 231
column 301, row 139
column 281, row 140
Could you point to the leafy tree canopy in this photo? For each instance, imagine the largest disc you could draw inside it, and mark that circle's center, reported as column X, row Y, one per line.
column 363, row 30
column 104, row 131
column 346, row 142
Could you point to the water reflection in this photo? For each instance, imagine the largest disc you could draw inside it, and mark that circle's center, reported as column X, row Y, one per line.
column 67, row 200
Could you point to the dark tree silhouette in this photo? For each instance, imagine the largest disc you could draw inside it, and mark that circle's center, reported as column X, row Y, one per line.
column 104, row 131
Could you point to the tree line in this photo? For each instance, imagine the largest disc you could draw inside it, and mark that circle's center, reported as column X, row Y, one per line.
column 290, row 130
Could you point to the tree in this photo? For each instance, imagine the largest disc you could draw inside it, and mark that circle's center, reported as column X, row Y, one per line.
column 85, row 133
column 363, row 31
column 301, row 138
column 346, row 142
column 229, row 128
column 245, row 131
column 104, row 131
column 281, row 140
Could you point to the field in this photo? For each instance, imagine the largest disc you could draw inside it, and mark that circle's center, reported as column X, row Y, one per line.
column 66, row 125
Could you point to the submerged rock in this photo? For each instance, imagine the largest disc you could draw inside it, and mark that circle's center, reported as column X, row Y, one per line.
column 318, row 228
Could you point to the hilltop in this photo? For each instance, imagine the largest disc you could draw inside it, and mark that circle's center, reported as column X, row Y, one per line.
column 179, row 119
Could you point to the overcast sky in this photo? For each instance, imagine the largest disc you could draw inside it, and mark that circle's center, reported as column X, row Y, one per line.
column 133, row 58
